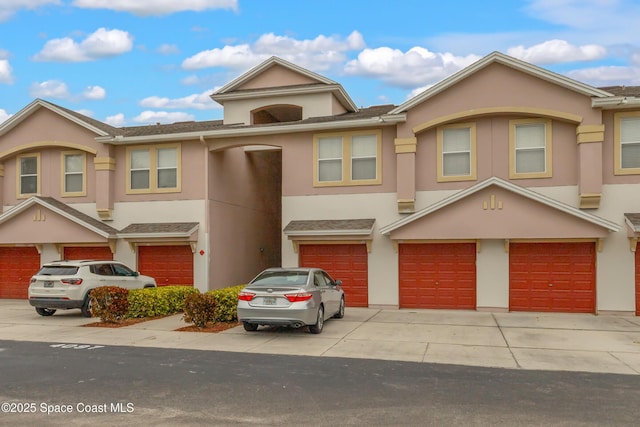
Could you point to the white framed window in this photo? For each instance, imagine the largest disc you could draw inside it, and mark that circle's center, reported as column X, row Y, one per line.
column 456, row 151
column 28, row 171
column 73, row 173
column 530, row 148
column 153, row 169
column 627, row 143
column 330, row 159
column 364, row 157
column 349, row 158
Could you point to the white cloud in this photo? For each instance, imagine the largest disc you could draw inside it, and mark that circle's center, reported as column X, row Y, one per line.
column 55, row 89
column 586, row 14
column 607, row 75
column 6, row 72
column 417, row 66
column 85, row 112
column 117, row 120
column 9, row 7
column 417, row 91
column 168, row 49
column 4, row 115
column 102, row 43
column 157, row 7
column 94, row 92
column 199, row 101
column 152, row 117
column 557, row 51
column 50, row 89
column 319, row 53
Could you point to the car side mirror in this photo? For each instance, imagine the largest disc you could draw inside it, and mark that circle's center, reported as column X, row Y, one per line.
column 136, row 274
column 337, row 282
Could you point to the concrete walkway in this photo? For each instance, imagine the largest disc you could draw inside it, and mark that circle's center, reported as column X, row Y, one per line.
column 567, row 342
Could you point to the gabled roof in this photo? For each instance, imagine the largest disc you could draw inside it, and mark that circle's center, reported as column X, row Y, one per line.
column 96, row 126
column 522, row 191
column 500, row 58
column 65, row 211
column 324, row 84
column 271, row 62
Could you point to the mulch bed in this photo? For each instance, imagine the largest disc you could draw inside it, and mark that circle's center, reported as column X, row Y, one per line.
column 213, row 327
column 120, row 323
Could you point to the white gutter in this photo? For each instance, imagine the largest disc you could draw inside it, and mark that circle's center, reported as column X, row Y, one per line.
column 615, row 102
column 232, row 132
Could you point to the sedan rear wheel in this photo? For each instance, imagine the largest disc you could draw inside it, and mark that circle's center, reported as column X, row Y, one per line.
column 45, row 311
column 249, row 327
column 317, row 328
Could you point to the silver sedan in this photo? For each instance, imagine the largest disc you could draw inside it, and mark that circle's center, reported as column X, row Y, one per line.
column 292, row 297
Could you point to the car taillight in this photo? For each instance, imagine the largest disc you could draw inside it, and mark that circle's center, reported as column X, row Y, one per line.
column 299, row 297
column 32, row 281
column 77, row 281
column 246, row 296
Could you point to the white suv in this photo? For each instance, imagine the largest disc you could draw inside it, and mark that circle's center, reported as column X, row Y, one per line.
column 67, row 284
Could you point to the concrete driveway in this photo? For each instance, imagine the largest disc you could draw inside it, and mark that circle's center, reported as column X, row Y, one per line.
column 568, row 342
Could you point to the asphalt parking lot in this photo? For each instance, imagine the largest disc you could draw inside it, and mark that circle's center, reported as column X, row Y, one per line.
column 535, row 341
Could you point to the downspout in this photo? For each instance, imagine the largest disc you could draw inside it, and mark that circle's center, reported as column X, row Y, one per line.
column 207, row 248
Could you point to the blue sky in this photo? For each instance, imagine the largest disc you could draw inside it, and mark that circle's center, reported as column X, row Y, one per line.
column 133, row 62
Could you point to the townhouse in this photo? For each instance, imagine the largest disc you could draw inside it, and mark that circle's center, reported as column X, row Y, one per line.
column 503, row 187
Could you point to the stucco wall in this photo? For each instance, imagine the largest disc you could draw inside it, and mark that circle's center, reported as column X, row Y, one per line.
column 615, row 263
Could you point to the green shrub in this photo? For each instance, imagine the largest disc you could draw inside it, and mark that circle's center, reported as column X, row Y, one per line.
column 109, row 303
column 226, row 303
column 199, row 309
column 161, row 301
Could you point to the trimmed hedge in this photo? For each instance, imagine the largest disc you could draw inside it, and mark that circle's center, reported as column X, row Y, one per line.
column 109, row 303
column 226, row 303
column 161, row 301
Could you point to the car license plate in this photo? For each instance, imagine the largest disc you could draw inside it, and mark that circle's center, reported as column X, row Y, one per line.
column 269, row 300
column 48, row 284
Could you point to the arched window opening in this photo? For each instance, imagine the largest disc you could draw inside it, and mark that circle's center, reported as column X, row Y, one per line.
column 276, row 114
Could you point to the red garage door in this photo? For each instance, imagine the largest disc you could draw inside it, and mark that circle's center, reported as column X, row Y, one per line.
column 87, row 252
column 637, row 280
column 169, row 265
column 438, row 275
column 17, row 265
column 348, row 263
column 552, row 277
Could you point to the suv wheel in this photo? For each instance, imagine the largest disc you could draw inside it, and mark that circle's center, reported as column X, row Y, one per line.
column 86, row 307
column 45, row 311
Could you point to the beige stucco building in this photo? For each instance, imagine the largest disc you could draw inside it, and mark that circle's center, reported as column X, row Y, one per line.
column 503, row 187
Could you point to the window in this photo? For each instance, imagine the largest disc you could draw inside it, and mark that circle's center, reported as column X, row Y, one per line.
column 153, row 169
column 352, row 158
column 456, row 150
column 28, row 167
column 73, row 175
column 530, row 148
column 627, row 143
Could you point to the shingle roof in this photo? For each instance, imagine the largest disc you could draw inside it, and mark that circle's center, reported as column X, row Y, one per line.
column 330, row 226
column 78, row 215
column 160, row 228
column 209, row 125
column 622, row 90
